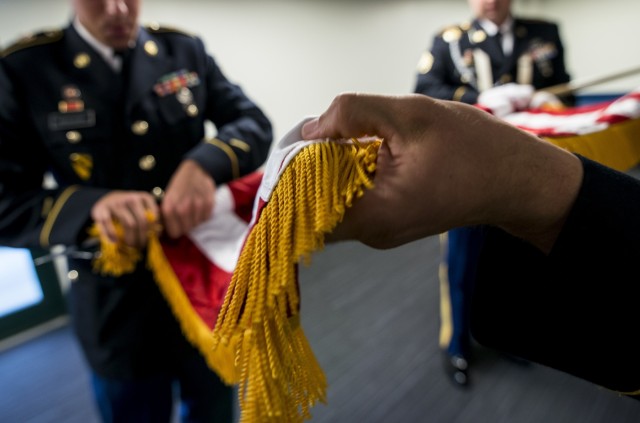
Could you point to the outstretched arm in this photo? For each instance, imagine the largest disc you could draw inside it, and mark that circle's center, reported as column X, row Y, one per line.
column 446, row 164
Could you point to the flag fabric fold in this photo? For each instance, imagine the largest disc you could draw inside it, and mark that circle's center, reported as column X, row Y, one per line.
column 607, row 132
column 193, row 272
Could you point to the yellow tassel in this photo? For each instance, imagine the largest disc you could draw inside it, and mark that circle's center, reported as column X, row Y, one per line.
column 117, row 259
column 193, row 327
column 258, row 341
column 279, row 377
column 114, row 258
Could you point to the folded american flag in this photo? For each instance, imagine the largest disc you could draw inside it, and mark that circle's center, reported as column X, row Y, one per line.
column 607, row 132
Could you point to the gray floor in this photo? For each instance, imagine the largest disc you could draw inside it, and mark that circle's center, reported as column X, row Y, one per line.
column 372, row 320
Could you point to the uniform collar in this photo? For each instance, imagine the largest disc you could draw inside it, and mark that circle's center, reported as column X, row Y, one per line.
column 492, row 29
column 106, row 52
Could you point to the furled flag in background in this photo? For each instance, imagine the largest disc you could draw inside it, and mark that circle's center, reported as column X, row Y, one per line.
column 607, row 132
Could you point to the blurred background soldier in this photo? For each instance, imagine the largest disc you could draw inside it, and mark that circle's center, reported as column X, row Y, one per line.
column 497, row 56
column 116, row 113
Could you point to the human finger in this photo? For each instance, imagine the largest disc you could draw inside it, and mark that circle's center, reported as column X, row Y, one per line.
column 103, row 218
column 352, row 115
column 135, row 220
column 130, row 210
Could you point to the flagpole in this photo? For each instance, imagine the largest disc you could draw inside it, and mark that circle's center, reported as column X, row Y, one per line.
column 573, row 86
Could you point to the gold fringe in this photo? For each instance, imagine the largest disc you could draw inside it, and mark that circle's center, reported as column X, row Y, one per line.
column 258, row 341
column 117, row 259
column 279, row 377
column 114, row 258
column 193, row 327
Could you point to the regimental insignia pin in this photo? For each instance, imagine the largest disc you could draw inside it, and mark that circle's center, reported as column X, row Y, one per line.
column 71, row 100
column 151, row 48
column 82, row 165
column 70, row 91
column 478, row 36
column 82, row 60
column 184, row 96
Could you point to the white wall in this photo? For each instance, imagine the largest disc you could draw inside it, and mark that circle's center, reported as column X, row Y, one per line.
column 293, row 57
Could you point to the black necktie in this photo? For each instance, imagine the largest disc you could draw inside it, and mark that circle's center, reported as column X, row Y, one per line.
column 498, row 41
column 119, row 112
column 125, row 59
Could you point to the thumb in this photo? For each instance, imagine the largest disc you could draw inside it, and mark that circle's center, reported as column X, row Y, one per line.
column 311, row 129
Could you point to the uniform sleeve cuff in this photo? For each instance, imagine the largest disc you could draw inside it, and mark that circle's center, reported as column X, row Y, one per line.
column 69, row 217
column 218, row 159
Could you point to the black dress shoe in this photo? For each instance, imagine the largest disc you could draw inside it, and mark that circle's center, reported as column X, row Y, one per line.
column 456, row 367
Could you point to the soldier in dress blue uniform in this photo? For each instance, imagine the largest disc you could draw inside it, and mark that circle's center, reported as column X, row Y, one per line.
column 116, row 113
column 464, row 62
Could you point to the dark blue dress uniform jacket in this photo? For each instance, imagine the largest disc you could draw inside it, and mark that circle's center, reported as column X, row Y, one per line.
column 61, row 111
column 448, row 76
column 452, row 70
column 575, row 309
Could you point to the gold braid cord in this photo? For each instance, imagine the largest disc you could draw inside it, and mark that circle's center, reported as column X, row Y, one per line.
column 279, row 377
column 117, row 259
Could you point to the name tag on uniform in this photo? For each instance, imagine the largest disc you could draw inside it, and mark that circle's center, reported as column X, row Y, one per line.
column 74, row 120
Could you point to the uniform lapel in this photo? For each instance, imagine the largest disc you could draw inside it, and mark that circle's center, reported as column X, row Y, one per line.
column 520, row 43
column 509, row 62
column 86, row 67
column 488, row 44
column 149, row 62
column 508, row 65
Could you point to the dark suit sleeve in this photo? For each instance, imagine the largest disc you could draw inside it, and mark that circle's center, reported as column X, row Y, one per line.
column 576, row 309
column 244, row 133
column 442, row 80
column 30, row 215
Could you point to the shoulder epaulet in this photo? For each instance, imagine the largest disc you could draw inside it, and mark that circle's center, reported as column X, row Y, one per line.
column 454, row 32
column 156, row 28
column 32, row 40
